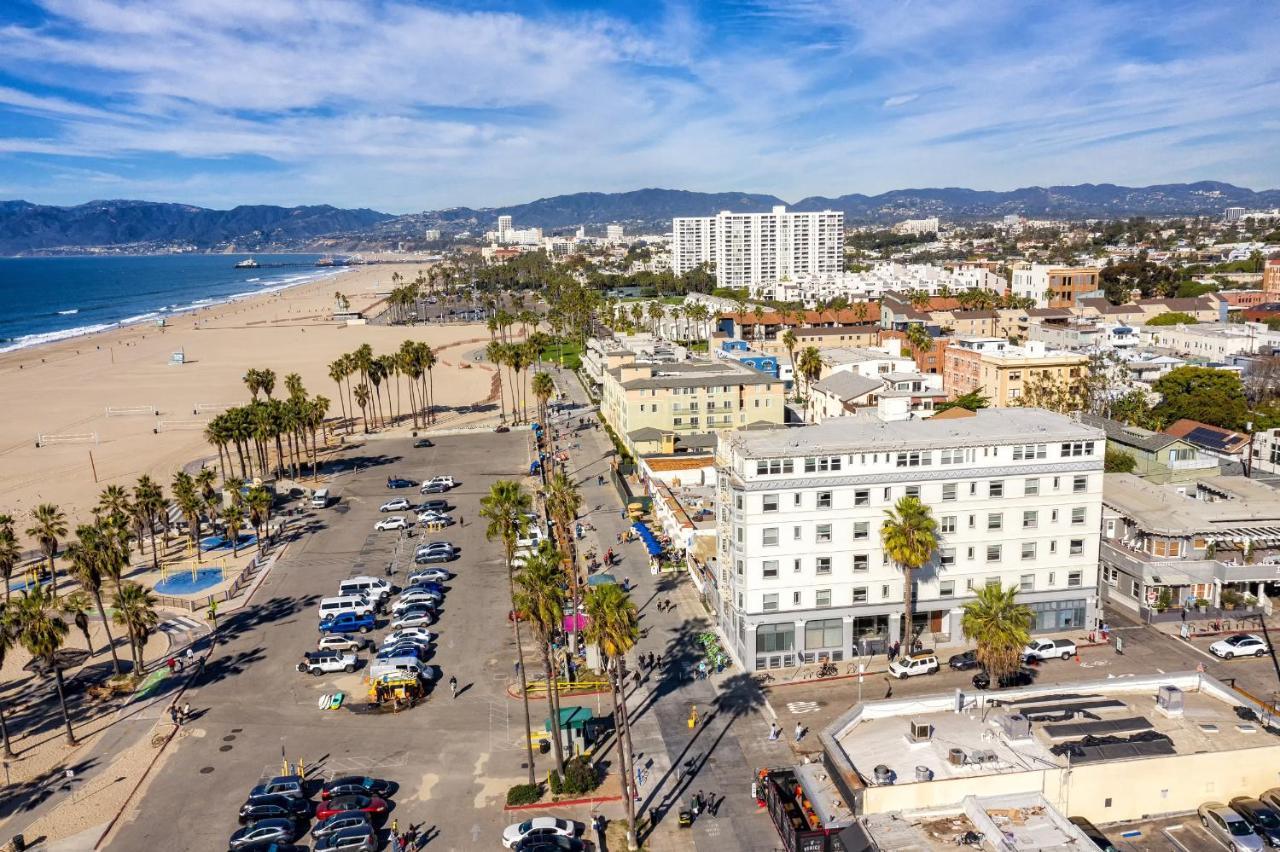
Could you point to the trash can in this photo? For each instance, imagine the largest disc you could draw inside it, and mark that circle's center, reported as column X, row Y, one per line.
column 19, row 843
column 544, row 746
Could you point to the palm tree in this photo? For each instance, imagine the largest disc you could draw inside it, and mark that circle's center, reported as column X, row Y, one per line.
column 504, row 508
column 810, row 369
column 8, row 639
column 563, row 502
column 135, row 610
column 233, row 522
column 613, row 626
column 92, row 556
column 540, row 597
column 9, row 552
column 190, row 504
column 495, row 354
column 1001, row 626
column 113, row 500
column 149, row 505
column 543, row 389
column 427, row 359
column 77, row 605
column 338, row 372
column 362, row 400
column 918, row 337
column 259, row 503
column 48, row 525
column 42, row 631
column 909, row 537
column 789, row 341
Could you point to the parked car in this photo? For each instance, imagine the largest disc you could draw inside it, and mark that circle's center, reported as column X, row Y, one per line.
column 440, row 518
column 264, row 831
column 322, row 662
column 423, row 444
column 423, row 586
column 550, row 843
column 348, row 622
column 357, row 785
column 282, row 785
column 347, row 804
column 338, row 642
column 1239, row 645
column 443, row 480
column 395, row 522
column 340, row 822
column 274, row 806
column 1019, row 677
column 434, row 556
column 539, row 827
column 434, row 488
column 397, row 504
column 533, row 537
column 1229, row 828
column 417, row 617
column 1262, row 817
column 433, row 575
column 435, row 505
column 963, row 661
column 355, row 839
column 416, row 634
column 1047, row 649
column 1091, row 831
column 399, row 482
column 415, row 600
column 915, row 664
column 403, row 649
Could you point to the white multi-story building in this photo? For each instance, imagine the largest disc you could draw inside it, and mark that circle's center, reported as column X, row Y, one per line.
column 748, row 248
column 802, row 575
column 613, row 233
column 918, row 226
column 508, row 235
column 880, row 279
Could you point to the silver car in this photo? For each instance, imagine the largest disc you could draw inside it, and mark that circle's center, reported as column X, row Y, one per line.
column 1229, row 828
column 355, row 839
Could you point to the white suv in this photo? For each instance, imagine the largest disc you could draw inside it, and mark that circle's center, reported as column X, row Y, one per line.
column 320, row 662
column 915, row 664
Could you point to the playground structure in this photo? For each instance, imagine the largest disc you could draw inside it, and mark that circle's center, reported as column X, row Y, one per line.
column 132, row 411
column 180, row 425
column 45, row 439
column 167, row 570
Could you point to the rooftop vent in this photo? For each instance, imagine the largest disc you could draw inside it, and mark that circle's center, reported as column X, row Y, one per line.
column 883, row 774
column 920, row 732
column 1169, row 700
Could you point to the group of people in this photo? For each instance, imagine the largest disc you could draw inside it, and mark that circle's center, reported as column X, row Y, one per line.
column 180, row 715
column 177, row 664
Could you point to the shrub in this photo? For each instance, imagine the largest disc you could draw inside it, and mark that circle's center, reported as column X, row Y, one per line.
column 524, row 794
column 579, row 776
column 554, row 782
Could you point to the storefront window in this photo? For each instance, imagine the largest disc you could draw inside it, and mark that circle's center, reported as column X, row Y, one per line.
column 775, row 637
column 824, row 633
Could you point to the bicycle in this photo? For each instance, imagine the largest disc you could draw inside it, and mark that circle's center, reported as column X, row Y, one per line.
column 828, row 670
column 762, row 678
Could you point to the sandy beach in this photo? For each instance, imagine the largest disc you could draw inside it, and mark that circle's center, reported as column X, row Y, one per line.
column 64, row 388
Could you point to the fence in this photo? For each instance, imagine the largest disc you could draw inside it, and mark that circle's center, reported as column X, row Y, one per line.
column 1212, row 613
column 209, row 407
column 178, row 425
column 45, row 438
column 243, row 579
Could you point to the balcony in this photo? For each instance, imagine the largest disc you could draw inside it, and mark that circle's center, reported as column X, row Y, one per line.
column 1176, row 572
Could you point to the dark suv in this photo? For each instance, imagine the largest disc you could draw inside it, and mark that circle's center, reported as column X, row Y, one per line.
column 1262, row 817
column 1020, row 677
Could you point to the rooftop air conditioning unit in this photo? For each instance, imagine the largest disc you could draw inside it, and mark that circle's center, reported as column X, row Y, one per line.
column 1169, row 700
column 1015, row 726
column 921, row 732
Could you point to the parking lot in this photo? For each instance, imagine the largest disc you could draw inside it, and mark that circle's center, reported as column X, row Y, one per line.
column 1168, row 834
column 453, row 759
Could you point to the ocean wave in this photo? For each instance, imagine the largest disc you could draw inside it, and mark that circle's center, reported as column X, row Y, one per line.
column 68, row 313
column 28, row 340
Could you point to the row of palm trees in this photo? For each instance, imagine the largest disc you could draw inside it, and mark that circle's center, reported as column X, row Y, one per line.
column 414, row 361
column 621, row 317
column 246, row 433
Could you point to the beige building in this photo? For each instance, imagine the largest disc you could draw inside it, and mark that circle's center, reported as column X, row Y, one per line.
column 644, row 400
column 1001, row 372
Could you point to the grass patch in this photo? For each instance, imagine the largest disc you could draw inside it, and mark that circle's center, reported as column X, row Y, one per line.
column 699, row 346
column 570, row 351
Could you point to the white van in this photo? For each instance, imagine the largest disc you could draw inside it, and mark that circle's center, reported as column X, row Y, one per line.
column 373, row 588
column 358, row 604
column 320, row 498
column 535, row 537
column 398, row 665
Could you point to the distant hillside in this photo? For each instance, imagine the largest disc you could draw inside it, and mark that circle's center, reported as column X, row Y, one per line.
column 26, row 227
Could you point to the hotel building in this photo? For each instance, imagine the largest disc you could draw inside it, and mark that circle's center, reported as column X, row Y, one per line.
column 748, row 248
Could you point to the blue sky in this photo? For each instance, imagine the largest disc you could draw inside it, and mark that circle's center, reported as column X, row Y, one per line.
column 406, row 106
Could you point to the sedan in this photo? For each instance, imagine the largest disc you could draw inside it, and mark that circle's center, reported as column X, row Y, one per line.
column 550, row 843
column 349, row 804
column 415, row 634
column 404, row 649
column 274, row 806
column 395, row 522
column 423, row 444
column 264, row 831
column 433, row 557
column 419, row 617
column 434, row 488
column 423, row 586
column 1264, row 820
column 356, row 785
column 417, row 600
column 431, row 575
column 1239, row 645
column 435, row 518
column 1021, row 677
column 1229, row 828
column 349, row 840
column 539, row 827
column 337, row 642
column 398, row 504
column 341, row 822
column 435, row 505
column 963, row 661
column 399, row 482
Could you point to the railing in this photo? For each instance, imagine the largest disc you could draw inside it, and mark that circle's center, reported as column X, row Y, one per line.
column 243, row 579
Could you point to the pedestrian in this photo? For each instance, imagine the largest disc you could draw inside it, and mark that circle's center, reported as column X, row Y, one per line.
column 395, row 828
column 462, row 522
column 598, row 824
column 173, row 714
column 774, row 733
column 453, row 685
column 191, row 655
column 1183, row 615
column 696, row 804
column 653, row 661
column 897, row 646
column 186, row 712
column 799, row 731
column 653, row 820
column 172, row 664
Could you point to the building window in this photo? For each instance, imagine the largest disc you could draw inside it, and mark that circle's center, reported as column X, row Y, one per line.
column 947, row 557
column 824, row 564
column 993, row 553
column 1075, row 578
column 947, row 523
column 822, row 597
column 1077, row 546
column 995, row 488
column 796, row 533
column 946, row 588
column 859, row 594
column 769, row 536
column 860, row 562
column 795, row 566
column 912, row 491
column 824, row 633
column 914, row 459
column 1027, row 583
column 1080, row 484
column 952, row 457
column 771, row 502
column 824, row 499
column 770, row 567
column 795, row 599
column 861, row 529
column 1078, row 516
column 995, row 520
column 991, row 582
column 862, row 497
column 821, row 464
column 773, row 638
column 1030, row 520
column 949, row 491
column 1030, row 451
column 1077, row 448
column 770, row 467
column 1028, row 550
column 1030, row 487
column 884, row 592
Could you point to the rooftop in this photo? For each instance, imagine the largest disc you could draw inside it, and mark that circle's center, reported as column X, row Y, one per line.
column 847, row 385
column 1024, row 821
column 1130, row 436
column 686, row 374
column 987, row 426
column 1209, row 437
column 1241, row 504
column 857, row 355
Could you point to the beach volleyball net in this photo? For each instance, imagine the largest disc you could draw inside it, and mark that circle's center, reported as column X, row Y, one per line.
column 180, row 425
column 45, row 439
column 209, row 407
column 131, row 410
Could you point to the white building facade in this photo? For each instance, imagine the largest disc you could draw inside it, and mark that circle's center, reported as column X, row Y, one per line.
column 802, row 575
column 747, row 248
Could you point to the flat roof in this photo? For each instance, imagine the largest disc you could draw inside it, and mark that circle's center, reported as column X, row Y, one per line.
column 857, row 354
column 692, row 374
column 857, row 434
column 1161, row 509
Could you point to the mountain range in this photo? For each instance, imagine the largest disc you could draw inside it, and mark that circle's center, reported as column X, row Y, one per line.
column 141, row 225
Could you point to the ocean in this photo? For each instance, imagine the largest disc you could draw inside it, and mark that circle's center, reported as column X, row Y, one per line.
column 51, row 298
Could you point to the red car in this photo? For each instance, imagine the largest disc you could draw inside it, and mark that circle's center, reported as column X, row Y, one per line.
column 347, row 804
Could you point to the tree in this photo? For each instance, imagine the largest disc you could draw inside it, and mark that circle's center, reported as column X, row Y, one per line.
column 42, row 631
column 563, row 502
column 909, row 537
column 789, row 341
column 92, row 557
column 9, row 552
column 233, row 521
column 259, row 502
column 495, row 354
column 149, row 504
column 362, row 400
column 971, row 401
column 135, row 609
column 1118, row 461
column 1173, row 318
column 505, row 507
column 918, row 337
column 613, row 626
column 1000, row 626
column 77, row 605
column 544, row 387
column 1210, row 396
column 190, row 504
column 48, row 525
column 810, row 369
column 540, row 597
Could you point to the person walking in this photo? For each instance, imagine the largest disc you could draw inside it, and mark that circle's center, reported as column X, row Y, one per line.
column 185, row 715
column 173, row 714
column 172, row 664
column 774, row 732
column 799, row 731
column 462, row 522
column 191, row 655
column 453, row 685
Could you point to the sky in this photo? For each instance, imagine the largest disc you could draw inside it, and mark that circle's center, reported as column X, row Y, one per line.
column 404, row 106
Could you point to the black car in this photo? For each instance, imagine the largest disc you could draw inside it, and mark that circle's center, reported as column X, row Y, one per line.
column 551, row 843
column 264, row 831
column 274, row 806
column 963, row 661
column 273, row 847
column 1021, row 677
column 1090, row 831
column 436, row 505
column 397, row 482
column 357, row 785
column 1261, row 816
column 340, row 822
column 423, row 444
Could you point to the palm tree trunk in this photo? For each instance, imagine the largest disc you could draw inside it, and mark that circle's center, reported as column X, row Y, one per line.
column 625, row 773
column 431, row 398
column 62, row 700
column 553, row 699
column 908, row 604
column 524, row 683
column 53, row 577
column 111, row 643
column 4, row 736
column 155, row 557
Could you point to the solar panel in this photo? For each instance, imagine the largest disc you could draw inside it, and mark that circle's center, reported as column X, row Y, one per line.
column 1057, row 696
column 1054, row 709
column 1208, row 438
column 1108, row 727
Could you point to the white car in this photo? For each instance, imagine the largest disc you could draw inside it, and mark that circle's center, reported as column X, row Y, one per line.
column 446, row 481
column 412, row 634
column 435, row 518
column 397, row 504
column 429, row 575
column 539, row 827
column 414, row 618
column 340, row 643
column 395, row 522
column 1239, row 645
column 411, row 599
column 533, row 537
column 320, row 662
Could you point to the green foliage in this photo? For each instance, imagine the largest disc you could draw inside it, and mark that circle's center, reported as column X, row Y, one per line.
column 1230, row 597
column 971, row 401
column 554, row 782
column 571, row 351
column 1210, row 396
column 1165, row 600
column 1000, row 625
column 1173, row 318
column 1132, row 409
column 1191, row 289
column 580, row 777
column 734, row 293
column 1118, row 461
column 523, row 794
column 1153, row 279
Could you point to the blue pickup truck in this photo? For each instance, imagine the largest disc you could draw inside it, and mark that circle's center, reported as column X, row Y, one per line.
column 348, row 622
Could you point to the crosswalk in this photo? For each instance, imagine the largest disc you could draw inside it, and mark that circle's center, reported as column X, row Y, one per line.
column 181, row 624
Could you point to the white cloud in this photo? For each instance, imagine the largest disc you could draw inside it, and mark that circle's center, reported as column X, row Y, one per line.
column 899, row 100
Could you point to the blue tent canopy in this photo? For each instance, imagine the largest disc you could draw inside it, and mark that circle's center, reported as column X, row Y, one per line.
column 650, row 542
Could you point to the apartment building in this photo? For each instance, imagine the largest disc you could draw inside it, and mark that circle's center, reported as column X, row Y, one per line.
column 748, row 248
column 1001, row 371
column 1055, row 286
column 1271, row 278
column 1216, row 341
column 801, row 572
column 643, row 400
